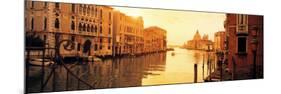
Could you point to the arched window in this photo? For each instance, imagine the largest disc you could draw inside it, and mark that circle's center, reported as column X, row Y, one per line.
column 57, row 23
column 80, row 27
column 88, row 28
column 92, row 28
column 72, row 25
column 96, row 28
column 84, row 27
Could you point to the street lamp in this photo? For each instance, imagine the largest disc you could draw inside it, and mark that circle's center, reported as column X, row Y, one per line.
column 254, row 43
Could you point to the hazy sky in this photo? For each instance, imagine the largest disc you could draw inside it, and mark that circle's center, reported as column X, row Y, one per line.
column 180, row 25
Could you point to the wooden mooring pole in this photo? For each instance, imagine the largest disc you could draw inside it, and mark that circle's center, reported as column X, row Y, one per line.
column 27, row 72
column 195, row 73
column 43, row 65
column 203, row 65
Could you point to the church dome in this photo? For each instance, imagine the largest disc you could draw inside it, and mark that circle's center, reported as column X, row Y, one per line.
column 197, row 36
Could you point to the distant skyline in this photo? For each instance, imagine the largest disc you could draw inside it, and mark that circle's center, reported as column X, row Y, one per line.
column 180, row 25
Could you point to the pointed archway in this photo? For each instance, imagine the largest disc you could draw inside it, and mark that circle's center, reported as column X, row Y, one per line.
column 87, row 47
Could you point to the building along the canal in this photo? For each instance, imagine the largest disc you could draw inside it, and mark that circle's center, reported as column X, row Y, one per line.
column 128, row 34
column 88, row 26
column 244, row 45
column 199, row 43
column 154, row 39
column 96, row 30
column 220, row 41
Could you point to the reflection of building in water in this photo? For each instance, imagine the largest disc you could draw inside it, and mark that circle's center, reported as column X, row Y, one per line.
column 198, row 43
column 121, row 72
column 197, row 57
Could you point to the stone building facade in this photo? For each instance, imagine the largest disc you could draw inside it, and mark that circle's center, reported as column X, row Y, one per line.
column 154, row 39
column 89, row 26
column 96, row 30
column 220, row 41
column 128, row 34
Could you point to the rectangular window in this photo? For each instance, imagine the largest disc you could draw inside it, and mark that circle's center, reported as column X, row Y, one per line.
column 73, row 8
column 32, row 4
column 72, row 26
column 45, row 24
column 100, row 47
column 72, row 38
column 108, row 47
column 80, row 8
column 109, row 31
column 242, row 45
column 32, row 24
column 101, row 14
column 78, row 47
column 57, row 5
column 96, row 47
column 109, row 17
column 93, row 10
column 242, row 19
column 25, row 23
column 109, row 40
column 45, row 4
column 96, row 11
column 242, row 23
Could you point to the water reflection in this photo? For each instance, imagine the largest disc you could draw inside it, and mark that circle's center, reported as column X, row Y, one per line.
column 150, row 69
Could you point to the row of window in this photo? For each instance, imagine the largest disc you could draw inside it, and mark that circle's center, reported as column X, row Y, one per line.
column 84, row 9
column 33, row 2
column 32, row 23
column 81, row 27
column 90, row 28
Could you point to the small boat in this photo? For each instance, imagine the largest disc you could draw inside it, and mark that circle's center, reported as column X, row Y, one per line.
column 173, row 54
column 170, row 49
column 39, row 62
column 94, row 59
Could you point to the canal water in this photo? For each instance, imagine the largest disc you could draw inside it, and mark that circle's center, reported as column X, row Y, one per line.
column 150, row 69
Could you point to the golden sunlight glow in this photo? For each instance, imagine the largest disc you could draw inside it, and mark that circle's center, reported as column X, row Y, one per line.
column 180, row 25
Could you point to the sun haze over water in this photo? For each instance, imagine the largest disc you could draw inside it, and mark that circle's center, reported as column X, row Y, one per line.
column 180, row 25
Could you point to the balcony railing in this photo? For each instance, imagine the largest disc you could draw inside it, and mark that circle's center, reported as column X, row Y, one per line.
column 242, row 29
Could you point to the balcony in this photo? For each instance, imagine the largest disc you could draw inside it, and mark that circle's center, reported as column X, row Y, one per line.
column 242, row 30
